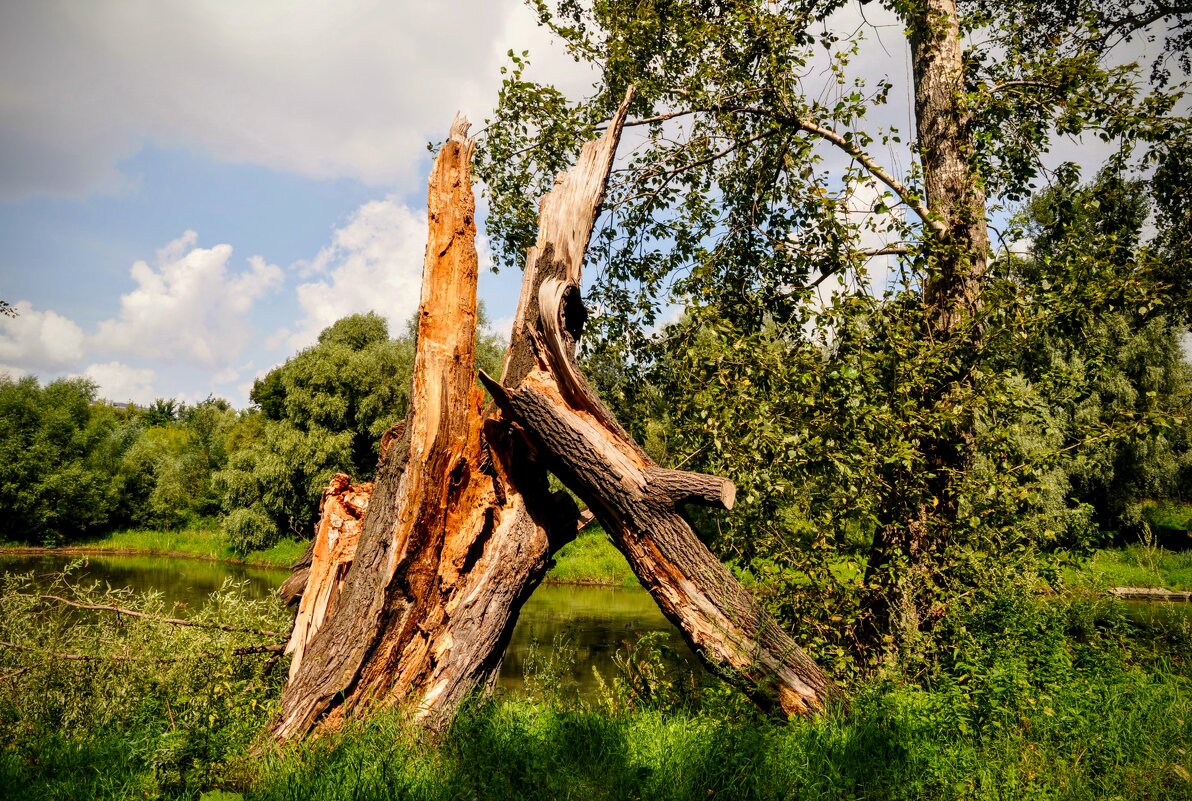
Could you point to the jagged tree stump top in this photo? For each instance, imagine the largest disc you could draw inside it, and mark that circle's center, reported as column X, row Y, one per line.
column 461, row 523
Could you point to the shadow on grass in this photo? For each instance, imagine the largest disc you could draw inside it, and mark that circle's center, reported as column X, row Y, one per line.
column 519, row 751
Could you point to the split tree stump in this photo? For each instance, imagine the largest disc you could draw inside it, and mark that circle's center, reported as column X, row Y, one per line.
column 418, row 607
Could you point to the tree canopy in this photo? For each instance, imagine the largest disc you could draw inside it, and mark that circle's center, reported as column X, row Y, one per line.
column 851, row 349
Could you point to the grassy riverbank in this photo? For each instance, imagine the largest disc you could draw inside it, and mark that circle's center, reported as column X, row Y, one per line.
column 203, row 541
column 592, row 559
column 589, row 559
column 1049, row 698
column 1133, row 566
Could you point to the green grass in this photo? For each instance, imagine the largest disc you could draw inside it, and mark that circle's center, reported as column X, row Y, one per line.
column 1046, row 698
column 1169, row 515
column 893, row 744
column 1134, row 566
column 203, row 540
column 888, row 747
column 282, row 554
column 591, row 559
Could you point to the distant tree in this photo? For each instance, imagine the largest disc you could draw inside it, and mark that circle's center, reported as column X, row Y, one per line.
column 161, row 412
column 1113, row 358
column 51, row 489
column 322, row 412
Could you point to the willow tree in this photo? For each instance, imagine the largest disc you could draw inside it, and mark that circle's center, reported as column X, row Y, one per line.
column 767, row 166
column 415, row 581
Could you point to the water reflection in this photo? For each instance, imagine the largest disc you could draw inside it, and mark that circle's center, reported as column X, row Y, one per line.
column 1159, row 614
column 595, row 621
column 184, row 583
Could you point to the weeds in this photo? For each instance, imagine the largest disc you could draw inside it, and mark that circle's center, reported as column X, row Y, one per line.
column 1019, row 698
column 104, row 695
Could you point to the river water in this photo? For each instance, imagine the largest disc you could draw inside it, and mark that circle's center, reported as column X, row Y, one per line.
column 577, row 628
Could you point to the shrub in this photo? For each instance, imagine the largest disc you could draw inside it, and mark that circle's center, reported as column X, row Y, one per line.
column 249, row 530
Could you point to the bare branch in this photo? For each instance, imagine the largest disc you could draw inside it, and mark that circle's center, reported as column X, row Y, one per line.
column 657, row 118
column 1001, row 87
column 875, row 169
column 887, row 250
column 827, row 134
column 173, row 621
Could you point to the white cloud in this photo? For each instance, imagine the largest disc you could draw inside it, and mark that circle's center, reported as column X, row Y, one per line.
column 39, row 340
column 190, row 307
column 121, row 383
column 502, row 326
column 349, row 89
column 374, row 263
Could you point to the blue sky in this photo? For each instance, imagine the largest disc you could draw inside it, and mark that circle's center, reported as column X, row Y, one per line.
column 191, row 190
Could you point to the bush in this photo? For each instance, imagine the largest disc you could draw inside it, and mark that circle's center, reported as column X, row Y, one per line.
column 249, row 530
column 102, row 705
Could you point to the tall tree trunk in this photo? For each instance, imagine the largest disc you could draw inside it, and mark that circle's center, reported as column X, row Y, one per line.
column 960, row 252
column 461, row 523
column 922, row 508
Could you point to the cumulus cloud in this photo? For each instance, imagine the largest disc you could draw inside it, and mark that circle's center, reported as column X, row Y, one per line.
column 190, row 307
column 121, row 383
column 39, row 340
column 374, row 263
column 348, row 89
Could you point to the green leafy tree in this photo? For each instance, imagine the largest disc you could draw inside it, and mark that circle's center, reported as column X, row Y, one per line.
column 861, row 424
column 50, row 488
column 161, row 412
column 1116, row 356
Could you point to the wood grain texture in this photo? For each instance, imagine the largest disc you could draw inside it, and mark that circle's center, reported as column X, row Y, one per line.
column 461, row 522
column 367, row 649
column 341, row 519
column 640, row 506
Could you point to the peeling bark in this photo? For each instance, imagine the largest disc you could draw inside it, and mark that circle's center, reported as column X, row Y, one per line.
column 461, row 523
column 341, row 518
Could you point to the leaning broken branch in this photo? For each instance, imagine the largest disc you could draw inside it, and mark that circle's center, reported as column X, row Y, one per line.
column 461, row 523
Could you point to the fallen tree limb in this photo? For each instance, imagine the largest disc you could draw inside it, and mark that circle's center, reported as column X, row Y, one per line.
column 173, row 621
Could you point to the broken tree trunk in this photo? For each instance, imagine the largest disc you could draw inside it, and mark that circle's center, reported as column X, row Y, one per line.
column 450, row 547
column 341, row 518
column 461, row 524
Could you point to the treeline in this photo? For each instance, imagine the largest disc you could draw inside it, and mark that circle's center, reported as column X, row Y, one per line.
column 1079, row 394
column 73, row 466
